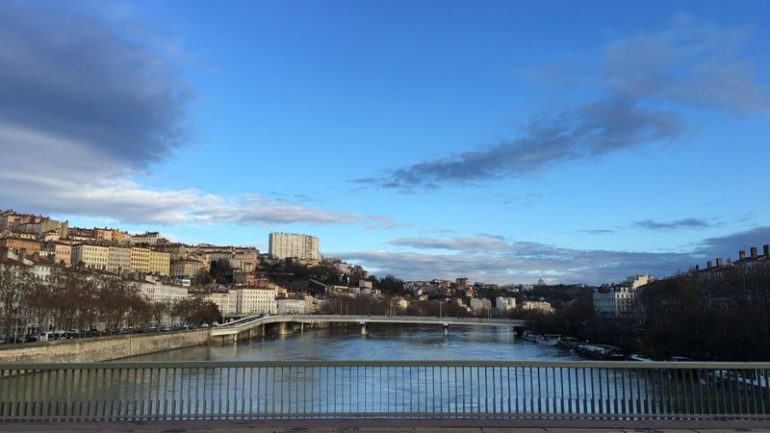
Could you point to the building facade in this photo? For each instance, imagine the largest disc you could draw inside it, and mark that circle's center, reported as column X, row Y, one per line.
column 160, row 263
column 140, row 260
column 542, row 306
column 619, row 300
column 504, row 303
column 92, row 256
column 18, row 244
column 186, row 268
column 149, row 238
column 119, row 260
column 62, row 253
column 291, row 245
column 255, row 301
column 291, row 306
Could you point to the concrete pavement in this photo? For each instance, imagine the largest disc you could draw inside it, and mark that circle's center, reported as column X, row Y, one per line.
column 392, row 426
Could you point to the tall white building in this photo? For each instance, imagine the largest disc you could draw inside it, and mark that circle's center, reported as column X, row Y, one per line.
column 504, row 303
column 291, row 245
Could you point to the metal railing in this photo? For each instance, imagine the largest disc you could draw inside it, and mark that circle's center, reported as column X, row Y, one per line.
column 397, row 389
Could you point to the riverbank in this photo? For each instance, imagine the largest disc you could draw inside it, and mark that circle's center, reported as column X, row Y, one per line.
column 103, row 348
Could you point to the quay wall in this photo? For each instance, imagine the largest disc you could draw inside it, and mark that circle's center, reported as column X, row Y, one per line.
column 101, row 349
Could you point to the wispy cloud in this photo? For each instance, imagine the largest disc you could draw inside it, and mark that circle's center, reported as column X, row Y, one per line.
column 588, row 131
column 465, row 244
column 523, row 262
column 688, row 63
column 599, row 231
column 486, row 259
column 682, row 224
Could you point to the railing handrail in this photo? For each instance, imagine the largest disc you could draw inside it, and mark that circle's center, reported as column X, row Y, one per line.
column 356, row 317
column 624, row 365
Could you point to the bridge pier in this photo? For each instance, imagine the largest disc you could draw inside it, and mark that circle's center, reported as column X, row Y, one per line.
column 283, row 329
column 364, row 331
column 225, row 339
column 446, row 329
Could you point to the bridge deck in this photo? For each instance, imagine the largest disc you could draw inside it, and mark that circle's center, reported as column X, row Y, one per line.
column 247, row 323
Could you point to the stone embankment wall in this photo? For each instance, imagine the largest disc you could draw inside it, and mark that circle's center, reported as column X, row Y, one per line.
column 102, row 349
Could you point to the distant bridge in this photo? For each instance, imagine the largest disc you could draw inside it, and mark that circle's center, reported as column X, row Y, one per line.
column 247, row 324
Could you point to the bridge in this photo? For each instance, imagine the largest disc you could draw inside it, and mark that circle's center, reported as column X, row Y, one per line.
column 249, row 324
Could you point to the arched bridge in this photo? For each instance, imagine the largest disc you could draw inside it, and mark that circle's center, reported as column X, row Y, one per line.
column 247, row 324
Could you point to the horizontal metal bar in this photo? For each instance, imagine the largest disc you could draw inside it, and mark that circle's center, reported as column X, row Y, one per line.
column 622, row 365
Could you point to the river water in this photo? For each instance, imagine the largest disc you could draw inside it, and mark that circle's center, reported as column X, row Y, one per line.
column 384, row 343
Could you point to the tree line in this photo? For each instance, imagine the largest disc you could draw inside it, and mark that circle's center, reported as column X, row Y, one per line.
column 83, row 299
column 718, row 314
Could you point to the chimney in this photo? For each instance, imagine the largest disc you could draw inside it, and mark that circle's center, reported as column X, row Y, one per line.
column 741, row 255
column 766, row 248
column 708, row 264
column 719, row 262
column 753, row 252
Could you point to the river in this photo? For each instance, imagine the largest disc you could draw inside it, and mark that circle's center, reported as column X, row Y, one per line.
column 384, row 342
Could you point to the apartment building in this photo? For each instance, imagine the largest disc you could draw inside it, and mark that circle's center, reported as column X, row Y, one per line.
column 226, row 302
column 255, row 301
column 160, row 263
column 140, row 260
column 62, row 252
column 91, row 256
column 618, row 300
column 19, row 243
column 291, row 306
column 111, row 235
column 159, row 292
column 186, row 268
column 292, row 245
column 504, row 303
column 119, row 260
column 148, row 238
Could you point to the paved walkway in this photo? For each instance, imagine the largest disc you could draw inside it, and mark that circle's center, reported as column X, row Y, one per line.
column 392, row 426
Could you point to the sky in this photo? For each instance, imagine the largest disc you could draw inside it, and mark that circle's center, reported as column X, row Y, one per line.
column 577, row 142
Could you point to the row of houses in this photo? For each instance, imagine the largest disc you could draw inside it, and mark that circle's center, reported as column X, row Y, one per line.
column 623, row 300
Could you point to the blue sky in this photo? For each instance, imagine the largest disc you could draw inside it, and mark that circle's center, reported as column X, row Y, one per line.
column 503, row 141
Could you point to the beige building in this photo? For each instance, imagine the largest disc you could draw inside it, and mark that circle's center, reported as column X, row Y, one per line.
column 542, row 306
column 149, row 238
column 225, row 302
column 186, row 268
column 92, row 256
column 159, row 292
column 112, row 235
column 62, row 252
column 18, row 244
column 246, row 261
column 160, row 263
column 291, row 245
column 291, row 306
column 119, row 260
column 140, row 260
column 255, row 301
